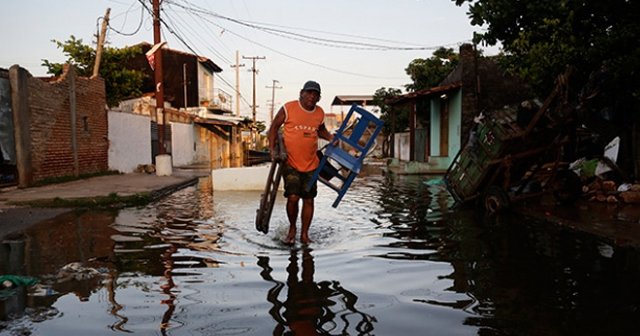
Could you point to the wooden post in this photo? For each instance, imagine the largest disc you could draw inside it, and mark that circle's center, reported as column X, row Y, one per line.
column 100, row 46
column 160, row 113
column 71, row 75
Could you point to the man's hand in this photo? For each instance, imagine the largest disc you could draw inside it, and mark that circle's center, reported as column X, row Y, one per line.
column 334, row 140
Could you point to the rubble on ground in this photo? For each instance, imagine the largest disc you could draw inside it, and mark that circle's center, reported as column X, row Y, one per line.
column 610, row 192
column 145, row 168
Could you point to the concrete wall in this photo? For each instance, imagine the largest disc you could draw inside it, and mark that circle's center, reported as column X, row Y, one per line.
column 401, row 146
column 220, row 149
column 129, row 141
column 183, row 144
column 7, row 143
column 455, row 125
column 60, row 125
column 202, row 152
column 242, row 178
column 205, row 84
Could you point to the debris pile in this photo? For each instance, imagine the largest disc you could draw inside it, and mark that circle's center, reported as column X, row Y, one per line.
column 145, row 168
column 608, row 191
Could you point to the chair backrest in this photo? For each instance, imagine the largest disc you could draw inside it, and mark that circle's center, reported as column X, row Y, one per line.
column 358, row 121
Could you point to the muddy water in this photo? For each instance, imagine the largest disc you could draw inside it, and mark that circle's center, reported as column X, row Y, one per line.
column 390, row 260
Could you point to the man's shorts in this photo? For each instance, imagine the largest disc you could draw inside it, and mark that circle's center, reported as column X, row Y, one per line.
column 295, row 183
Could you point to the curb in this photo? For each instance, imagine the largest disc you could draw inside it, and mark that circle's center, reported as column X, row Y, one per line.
column 162, row 192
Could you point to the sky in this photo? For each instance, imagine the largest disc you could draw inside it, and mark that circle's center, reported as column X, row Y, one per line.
column 351, row 47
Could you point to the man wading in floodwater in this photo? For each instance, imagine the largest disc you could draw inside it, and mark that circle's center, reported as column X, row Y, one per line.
column 303, row 124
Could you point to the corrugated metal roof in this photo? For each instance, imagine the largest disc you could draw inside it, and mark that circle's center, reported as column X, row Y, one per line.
column 352, row 99
column 206, row 62
column 426, row 92
column 211, row 121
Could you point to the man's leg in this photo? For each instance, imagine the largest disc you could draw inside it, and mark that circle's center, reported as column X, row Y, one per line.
column 306, row 218
column 292, row 215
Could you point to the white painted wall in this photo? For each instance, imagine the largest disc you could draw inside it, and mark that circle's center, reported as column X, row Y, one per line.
column 242, row 178
column 129, row 141
column 202, row 153
column 183, row 147
column 205, row 83
column 401, row 146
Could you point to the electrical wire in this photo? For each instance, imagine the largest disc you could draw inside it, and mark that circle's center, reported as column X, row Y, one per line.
column 188, row 46
column 205, row 15
column 302, row 37
column 296, row 58
column 196, row 33
column 135, row 31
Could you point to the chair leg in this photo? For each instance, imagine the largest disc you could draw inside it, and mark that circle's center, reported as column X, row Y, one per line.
column 345, row 187
column 316, row 174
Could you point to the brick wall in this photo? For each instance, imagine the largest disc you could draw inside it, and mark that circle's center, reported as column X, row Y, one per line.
column 48, row 106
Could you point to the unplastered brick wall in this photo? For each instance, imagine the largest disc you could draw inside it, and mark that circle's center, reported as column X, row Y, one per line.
column 52, row 105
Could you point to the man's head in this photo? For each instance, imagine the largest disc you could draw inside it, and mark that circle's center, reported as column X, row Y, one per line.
column 310, row 95
column 311, row 86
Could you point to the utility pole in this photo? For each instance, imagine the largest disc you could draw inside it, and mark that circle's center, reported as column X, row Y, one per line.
column 254, row 70
column 158, row 77
column 103, row 33
column 273, row 97
column 184, row 79
column 237, row 66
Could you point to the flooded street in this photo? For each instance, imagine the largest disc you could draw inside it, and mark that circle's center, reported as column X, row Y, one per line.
column 390, row 260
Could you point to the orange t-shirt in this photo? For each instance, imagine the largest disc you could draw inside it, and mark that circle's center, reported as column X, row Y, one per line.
column 301, row 135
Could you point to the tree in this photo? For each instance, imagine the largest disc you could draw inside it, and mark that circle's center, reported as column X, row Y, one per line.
column 598, row 38
column 120, row 83
column 381, row 99
column 543, row 37
column 427, row 73
column 260, row 126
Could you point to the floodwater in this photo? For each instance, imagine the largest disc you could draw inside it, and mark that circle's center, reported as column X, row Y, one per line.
column 390, row 260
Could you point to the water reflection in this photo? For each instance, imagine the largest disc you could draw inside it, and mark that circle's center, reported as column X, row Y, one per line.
column 310, row 307
column 417, row 212
column 167, row 259
column 393, row 259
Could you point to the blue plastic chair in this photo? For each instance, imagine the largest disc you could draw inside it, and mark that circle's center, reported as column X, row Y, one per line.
column 352, row 142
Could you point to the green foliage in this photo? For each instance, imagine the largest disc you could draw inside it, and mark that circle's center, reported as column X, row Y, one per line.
column 111, row 201
column 543, row 37
column 260, row 126
column 381, row 98
column 120, row 83
column 427, row 73
column 597, row 38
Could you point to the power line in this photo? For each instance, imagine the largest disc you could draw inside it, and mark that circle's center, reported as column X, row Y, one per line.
column 306, row 38
column 296, row 58
column 187, row 44
column 137, row 29
column 273, row 97
column 255, row 71
column 195, row 32
column 172, row 31
column 242, row 96
column 205, row 14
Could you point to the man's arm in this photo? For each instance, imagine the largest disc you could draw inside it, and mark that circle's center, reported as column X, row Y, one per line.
column 324, row 133
column 278, row 120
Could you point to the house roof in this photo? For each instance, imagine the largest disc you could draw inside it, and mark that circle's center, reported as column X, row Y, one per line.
column 426, row 92
column 352, row 99
column 203, row 116
column 206, row 62
column 210, row 121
